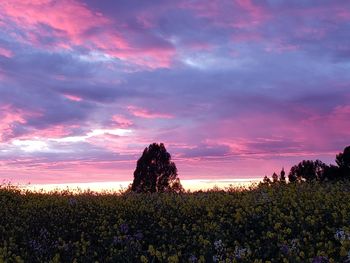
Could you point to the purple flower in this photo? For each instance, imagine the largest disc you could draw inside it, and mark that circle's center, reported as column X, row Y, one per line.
column 43, row 233
column 138, row 236
column 193, row 259
column 320, row 259
column 117, row 240
column 124, row 228
column 36, row 246
column 72, row 201
column 284, row 249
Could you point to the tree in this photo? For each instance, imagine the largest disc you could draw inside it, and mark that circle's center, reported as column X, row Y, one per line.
column 274, row 178
column 155, row 172
column 332, row 172
column 283, row 176
column 343, row 161
column 292, row 177
column 266, row 180
column 307, row 170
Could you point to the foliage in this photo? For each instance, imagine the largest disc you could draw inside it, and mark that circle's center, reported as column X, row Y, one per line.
column 307, row 170
column 305, row 222
column 274, row 178
column 343, row 159
column 282, row 176
column 343, row 162
column 155, row 172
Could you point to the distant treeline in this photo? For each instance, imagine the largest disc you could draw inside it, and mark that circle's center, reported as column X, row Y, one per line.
column 310, row 170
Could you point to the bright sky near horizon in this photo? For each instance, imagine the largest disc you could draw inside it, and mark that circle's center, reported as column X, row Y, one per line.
column 234, row 89
column 115, row 186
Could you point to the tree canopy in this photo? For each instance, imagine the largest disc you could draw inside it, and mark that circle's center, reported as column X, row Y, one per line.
column 343, row 162
column 307, row 170
column 155, row 172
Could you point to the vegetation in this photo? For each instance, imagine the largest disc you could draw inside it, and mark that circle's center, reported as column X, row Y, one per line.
column 155, row 172
column 304, row 222
column 309, row 170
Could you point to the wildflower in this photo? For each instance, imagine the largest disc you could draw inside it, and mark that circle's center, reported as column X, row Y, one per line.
column 138, row 236
column 284, row 249
column 143, row 259
column 320, row 259
column 36, row 246
column 240, row 252
column 117, row 240
column 294, row 244
column 124, row 228
column 72, row 201
column 340, row 235
column 218, row 245
column 193, row 259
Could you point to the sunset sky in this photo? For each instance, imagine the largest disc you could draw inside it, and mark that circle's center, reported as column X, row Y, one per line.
column 234, row 89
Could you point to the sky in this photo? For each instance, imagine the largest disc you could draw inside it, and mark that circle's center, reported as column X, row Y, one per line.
column 234, row 89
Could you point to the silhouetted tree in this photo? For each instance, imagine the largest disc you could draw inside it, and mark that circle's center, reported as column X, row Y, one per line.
column 274, row 178
column 155, row 172
column 282, row 176
column 266, row 180
column 307, row 170
column 343, row 161
column 331, row 172
column 292, row 176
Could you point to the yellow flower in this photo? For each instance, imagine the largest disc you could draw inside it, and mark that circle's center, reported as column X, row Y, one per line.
column 143, row 259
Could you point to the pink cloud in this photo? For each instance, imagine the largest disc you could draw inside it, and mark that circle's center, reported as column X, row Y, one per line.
column 244, row 13
column 149, row 57
column 343, row 14
column 71, row 23
column 256, row 13
column 6, row 52
column 67, row 16
column 26, row 171
column 11, row 116
column 121, row 121
column 73, row 97
column 144, row 113
column 331, row 125
column 55, row 131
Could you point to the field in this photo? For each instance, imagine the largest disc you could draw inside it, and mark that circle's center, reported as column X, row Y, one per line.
column 305, row 222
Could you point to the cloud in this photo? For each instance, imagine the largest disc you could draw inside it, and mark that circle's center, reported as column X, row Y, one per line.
column 70, row 24
column 5, row 52
column 146, row 114
column 206, row 151
column 233, row 88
